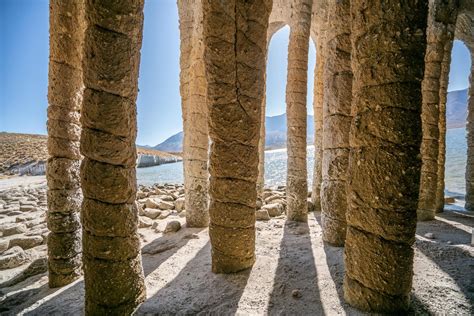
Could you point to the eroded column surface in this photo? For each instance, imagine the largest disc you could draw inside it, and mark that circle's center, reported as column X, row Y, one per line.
column 443, row 92
column 336, row 122
column 65, row 98
column 470, row 142
column 261, row 151
column 193, row 98
column 235, row 48
column 296, row 90
column 441, row 20
column 113, row 274
column 318, row 94
column 388, row 46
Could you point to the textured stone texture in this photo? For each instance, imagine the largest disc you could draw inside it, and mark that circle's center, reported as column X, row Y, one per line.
column 470, row 142
column 443, row 89
column 113, row 274
column 296, row 90
column 464, row 32
column 388, row 45
column 440, row 32
column 64, row 97
column 193, row 102
column 336, row 122
column 319, row 28
column 235, row 36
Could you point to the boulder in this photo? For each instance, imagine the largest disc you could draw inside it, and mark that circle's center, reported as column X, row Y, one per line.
column 273, row 198
column 24, row 218
column 179, row 204
column 266, row 194
column 141, row 195
column 144, row 222
column 151, row 213
column 274, row 209
column 164, row 214
column 27, row 208
column 13, row 258
column 151, row 203
column 165, row 197
column 13, row 229
column 38, row 266
column 164, row 205
column 26, row 242
column 172, row 226
column 4, row 243
column 262, row 215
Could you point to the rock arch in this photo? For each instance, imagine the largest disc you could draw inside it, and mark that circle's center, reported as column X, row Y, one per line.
column 223, row 58
column 465, row 33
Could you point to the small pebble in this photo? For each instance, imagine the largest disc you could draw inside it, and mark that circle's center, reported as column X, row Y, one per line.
column 429, row 236
column 296, row 294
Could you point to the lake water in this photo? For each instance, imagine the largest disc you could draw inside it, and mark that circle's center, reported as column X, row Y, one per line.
column 275, row 166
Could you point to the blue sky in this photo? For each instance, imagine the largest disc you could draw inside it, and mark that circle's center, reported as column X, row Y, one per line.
column 24, row 70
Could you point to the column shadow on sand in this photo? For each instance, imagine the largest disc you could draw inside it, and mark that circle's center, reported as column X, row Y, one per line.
column 160, row 249
column 335, row 263
column 444, row 254
column 196, row 289
column 71, row 300
column 295, row 286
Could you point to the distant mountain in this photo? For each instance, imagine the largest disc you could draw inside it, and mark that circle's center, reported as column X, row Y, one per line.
column 456, row 108
column 275, row 135
column 172, row 144
column 456, row 114
column 275, row 131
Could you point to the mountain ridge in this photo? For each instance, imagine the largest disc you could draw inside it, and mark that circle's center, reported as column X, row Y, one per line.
column 275, row 137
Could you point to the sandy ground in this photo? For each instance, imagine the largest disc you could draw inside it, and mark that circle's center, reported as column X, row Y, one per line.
column 289, row 257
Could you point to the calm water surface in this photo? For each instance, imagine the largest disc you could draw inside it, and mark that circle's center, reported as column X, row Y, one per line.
column 275, row 166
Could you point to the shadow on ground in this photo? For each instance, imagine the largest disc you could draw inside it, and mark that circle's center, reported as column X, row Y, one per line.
column 295, row 286
column 197, row 290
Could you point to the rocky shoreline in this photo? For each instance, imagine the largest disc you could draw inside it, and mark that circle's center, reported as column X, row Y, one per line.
column 26, row 154
column 23, row 227
column 23, row 256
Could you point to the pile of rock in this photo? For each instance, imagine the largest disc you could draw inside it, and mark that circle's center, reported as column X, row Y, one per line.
column 23, row 233
column 273, row 204
column 159, row 202
column 23, row 228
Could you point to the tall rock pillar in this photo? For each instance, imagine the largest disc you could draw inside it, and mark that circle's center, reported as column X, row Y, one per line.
column 235, row 36
column 439, row 33
column 65, row 98
column 113, row 273
column 388, row 48
column 193, row 88
column 296, row 112
column 336, row 122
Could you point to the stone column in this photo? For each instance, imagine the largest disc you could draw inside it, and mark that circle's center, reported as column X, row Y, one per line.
column 113, row 274
column 65, row 98
column 235, row 35
column 318, row 93
column 443, row 91
column 470, row 142
column 193, row 102
column 261, row 147
column 296, row 90
column 439, row 33
column 388, row 47
column 336, row 122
